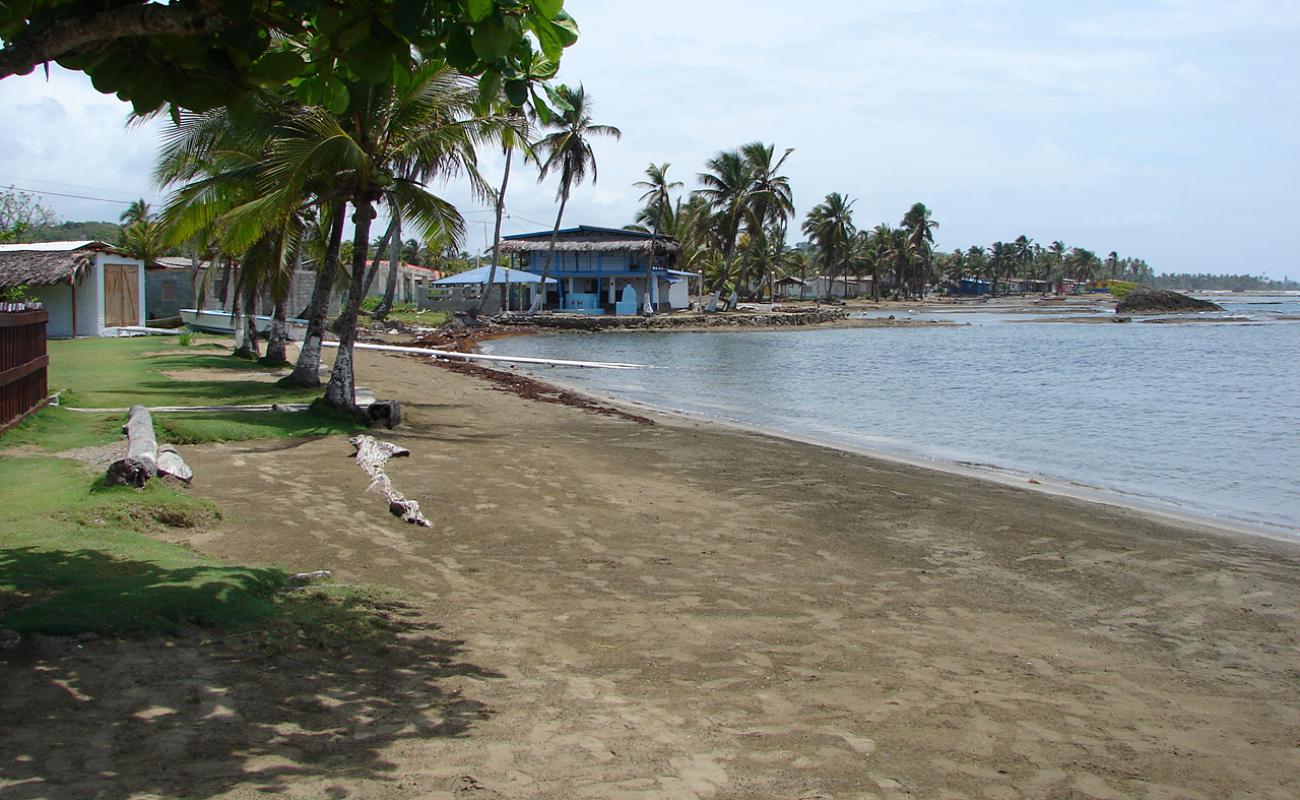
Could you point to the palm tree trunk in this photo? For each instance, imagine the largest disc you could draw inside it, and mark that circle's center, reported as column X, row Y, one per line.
column 394, row 266
column 379, row 255
column 341, row 391
column 277, row 346
column 555, row 234
column 249, row 348
column 496, row 240
column 307, row 371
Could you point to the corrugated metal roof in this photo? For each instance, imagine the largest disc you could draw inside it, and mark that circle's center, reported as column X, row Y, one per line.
column 479, row 275
column 60, row 247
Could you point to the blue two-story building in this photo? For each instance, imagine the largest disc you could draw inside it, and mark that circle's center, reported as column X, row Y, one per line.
column 604, row 270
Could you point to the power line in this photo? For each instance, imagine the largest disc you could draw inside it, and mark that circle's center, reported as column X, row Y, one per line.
column 40, row 193
column 78, row 185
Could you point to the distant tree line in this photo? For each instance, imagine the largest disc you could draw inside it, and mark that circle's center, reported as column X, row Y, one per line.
column 1230, row 283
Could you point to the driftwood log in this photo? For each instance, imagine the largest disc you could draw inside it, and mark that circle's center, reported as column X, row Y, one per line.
column 371, row 456
column 144, row 458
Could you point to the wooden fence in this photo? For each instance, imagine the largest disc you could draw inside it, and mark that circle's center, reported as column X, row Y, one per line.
column 23, row 363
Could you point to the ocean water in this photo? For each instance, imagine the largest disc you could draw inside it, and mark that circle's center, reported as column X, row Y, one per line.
column 1200, row 419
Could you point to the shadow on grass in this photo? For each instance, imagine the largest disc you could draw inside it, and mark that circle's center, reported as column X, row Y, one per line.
column 183, row 361
column 315, row 697
column 64, row 592
column 232, row 426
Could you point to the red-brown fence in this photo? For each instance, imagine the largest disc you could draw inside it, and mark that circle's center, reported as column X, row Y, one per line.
column 23, row 363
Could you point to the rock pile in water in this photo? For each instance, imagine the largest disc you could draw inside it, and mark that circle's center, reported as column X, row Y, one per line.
column 1161, row 301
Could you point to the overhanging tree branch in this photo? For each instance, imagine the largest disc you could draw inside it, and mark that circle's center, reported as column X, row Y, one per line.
column 67, row 36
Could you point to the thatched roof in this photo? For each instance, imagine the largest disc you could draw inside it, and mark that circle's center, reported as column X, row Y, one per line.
column 589, row 239
column 510, row 246
column 42, row 267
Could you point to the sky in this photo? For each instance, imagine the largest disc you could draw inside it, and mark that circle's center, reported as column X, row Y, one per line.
column 1163, row 130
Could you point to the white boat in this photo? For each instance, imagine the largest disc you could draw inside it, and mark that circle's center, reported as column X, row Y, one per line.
column 223, row 322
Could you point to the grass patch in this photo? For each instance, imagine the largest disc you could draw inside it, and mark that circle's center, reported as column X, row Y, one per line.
column 236, row 426
column 114, row 373
column 428, row 319
column 76, row 557
column 55, row 429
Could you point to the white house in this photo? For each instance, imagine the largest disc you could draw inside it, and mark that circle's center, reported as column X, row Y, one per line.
column 89, row 288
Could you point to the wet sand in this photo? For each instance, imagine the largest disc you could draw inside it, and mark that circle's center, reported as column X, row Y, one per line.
column 610, row 609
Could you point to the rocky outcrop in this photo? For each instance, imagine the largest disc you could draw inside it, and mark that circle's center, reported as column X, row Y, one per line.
column 1161, row 301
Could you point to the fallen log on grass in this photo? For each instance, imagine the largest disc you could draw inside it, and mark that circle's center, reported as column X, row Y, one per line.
column 144, row 458
column 371, row 456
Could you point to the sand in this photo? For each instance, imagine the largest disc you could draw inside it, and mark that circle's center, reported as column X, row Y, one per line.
column 610, row 609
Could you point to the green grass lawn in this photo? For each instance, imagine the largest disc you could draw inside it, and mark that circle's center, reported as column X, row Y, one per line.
column 116, row 373
column 427, row 319
column 77, row 557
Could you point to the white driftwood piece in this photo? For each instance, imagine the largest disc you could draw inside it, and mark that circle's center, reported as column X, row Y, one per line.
column 141, row 462
column 371, row 456
column 171, row 463
column 144, row 458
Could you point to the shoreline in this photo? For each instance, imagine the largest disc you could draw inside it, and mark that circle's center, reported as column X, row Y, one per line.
column 607, row 608
column 992, row 473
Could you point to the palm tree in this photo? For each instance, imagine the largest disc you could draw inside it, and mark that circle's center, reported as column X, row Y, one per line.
column 769, row 200
column 724, row 188
column 567, row 150
column 392, row 140
column 1057, row 251
column 512, row 139
column 920, row 241
column 1001, row 258
column 658, row 212
column 226, row 206
column 830, row 226
column 138, row 211
column 1022, row 253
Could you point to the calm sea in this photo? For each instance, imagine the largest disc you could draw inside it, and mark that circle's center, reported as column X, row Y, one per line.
column 1201, row 419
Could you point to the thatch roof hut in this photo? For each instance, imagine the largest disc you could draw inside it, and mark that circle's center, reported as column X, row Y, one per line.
column 89, row 288
column 590, row 239
column 47, row 263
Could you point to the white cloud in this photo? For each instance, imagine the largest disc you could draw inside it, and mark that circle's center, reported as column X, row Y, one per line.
column 1113, row 125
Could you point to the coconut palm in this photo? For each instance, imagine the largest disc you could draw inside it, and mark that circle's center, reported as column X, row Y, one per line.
column 769, row 199
column 724, row 188
column 138, row 211
column 829, row 225
column 1000, row 262
column 920, row 241
column 566, row 150
column 393, row 139
column 658, row 211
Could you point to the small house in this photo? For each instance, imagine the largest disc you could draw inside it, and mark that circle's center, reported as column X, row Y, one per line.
column 845, row 287
column 791, row 288
column 511, row 289
column 604, row 270
column 89, row 288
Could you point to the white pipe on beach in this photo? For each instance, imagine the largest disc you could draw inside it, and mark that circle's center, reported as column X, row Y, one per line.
column 424, row 351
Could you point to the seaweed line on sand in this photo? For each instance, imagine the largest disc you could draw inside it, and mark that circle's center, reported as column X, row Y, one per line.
column 533, row 389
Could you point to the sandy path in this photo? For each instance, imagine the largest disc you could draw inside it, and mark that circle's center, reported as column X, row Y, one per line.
column 672, row 611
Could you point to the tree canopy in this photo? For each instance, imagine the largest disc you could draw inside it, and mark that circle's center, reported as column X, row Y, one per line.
column 200, row 54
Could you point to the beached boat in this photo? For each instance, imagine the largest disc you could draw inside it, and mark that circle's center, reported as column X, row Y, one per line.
column 223, row 322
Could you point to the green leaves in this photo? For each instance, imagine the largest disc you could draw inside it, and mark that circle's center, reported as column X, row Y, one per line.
column 326, row 91
column 478, row 10
column 277, row 67
column 310, row 44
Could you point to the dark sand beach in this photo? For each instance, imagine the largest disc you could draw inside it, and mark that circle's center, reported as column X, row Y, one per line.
column 606, row 608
